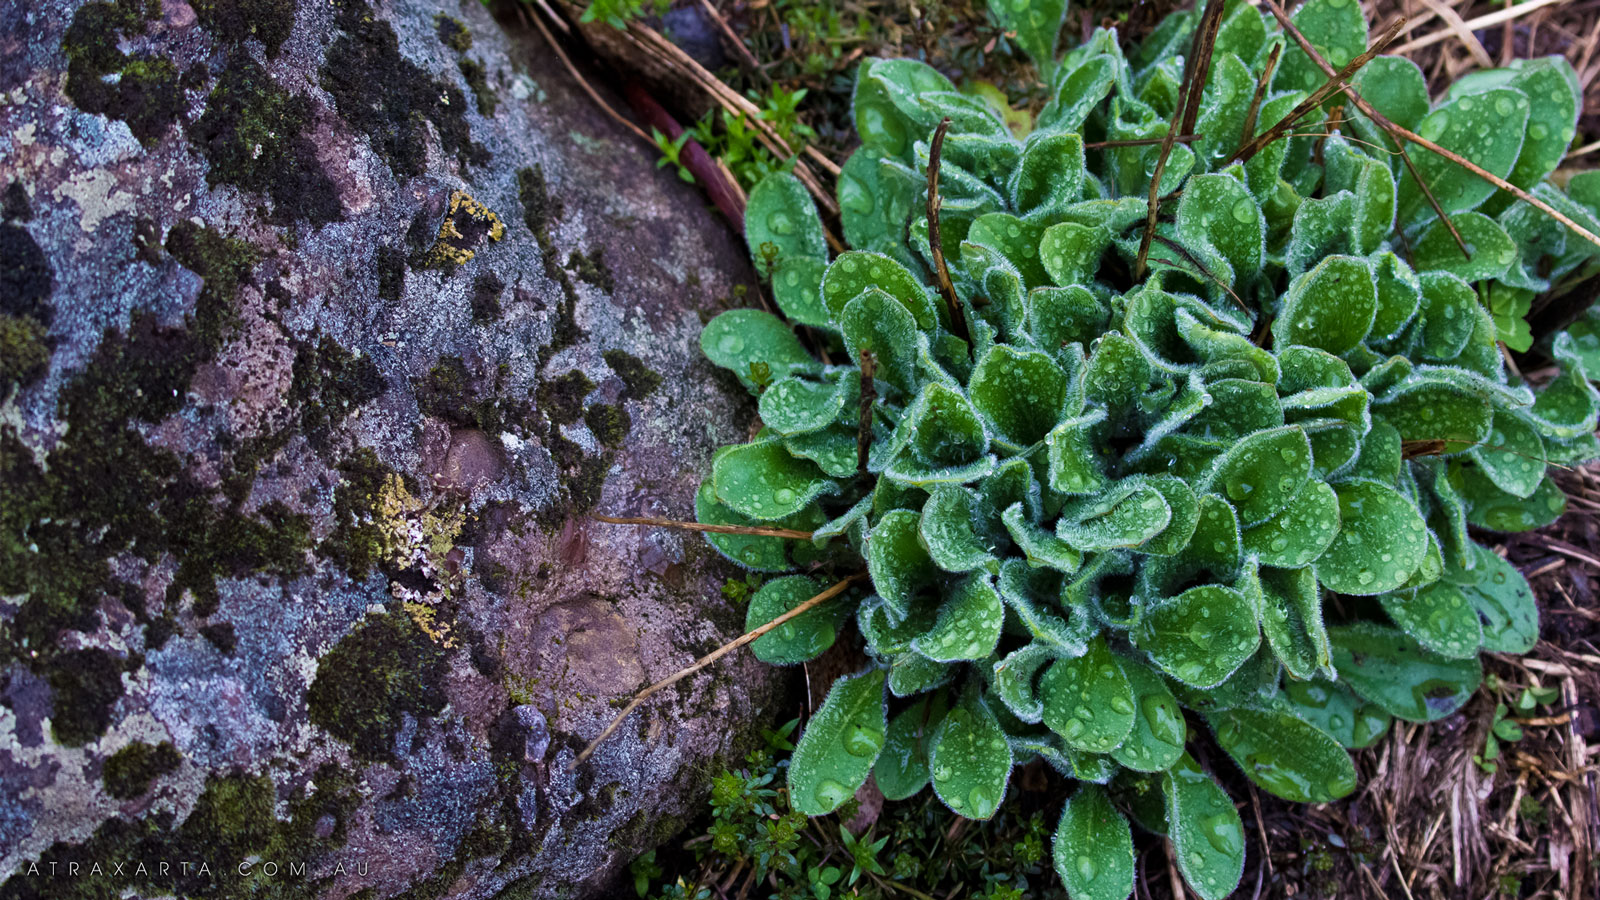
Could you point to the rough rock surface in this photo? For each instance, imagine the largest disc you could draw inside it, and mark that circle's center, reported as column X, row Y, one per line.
column 321, row 327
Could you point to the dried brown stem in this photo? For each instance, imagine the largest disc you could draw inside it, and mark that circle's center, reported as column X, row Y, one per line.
column 1140, row 142
column 749, row 636
column 958, row 322
column 1321, row 94
column 869, row 393
column 1262, row 84
column 1369, row 112
column 1477, row 170
column 583, row 82
column 752, row 530
column 1192, row 260
column 1204, row 40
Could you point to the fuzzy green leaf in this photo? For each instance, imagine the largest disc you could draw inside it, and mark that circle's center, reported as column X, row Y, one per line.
column 1502, row 599
column 1291, row 618
column 1087, row 700
column 1207, row 835
column 1200, row 636
column 745, row 340
column 797, row 288
column 856, row 271
column 1016, row 680
column 902, row 768
column 1261, row 474
column 1438, row 617
column 1300, row 533
column 1331, row 307
column 1382, row 540
column 1485, row 128
column 781, row 223
column 1093, row 847
column 763, row 481
column 950, row 533
column 1125, row 515
column 971, row 761
column 899, row 564
column 840, row 744
column 969, row 623
column 1157, row 738
column 1336, row 710
column 1020, row 394
column 802, row 638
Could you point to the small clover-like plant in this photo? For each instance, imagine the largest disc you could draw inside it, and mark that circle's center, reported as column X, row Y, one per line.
column 1094, row 489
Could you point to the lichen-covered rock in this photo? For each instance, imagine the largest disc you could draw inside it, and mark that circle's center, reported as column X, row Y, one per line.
column 322, row 326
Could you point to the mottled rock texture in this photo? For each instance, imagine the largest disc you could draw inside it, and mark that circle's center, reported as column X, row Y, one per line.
column 322, row 326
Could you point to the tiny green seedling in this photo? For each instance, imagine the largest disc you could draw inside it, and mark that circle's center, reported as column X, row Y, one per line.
column 1093, row 489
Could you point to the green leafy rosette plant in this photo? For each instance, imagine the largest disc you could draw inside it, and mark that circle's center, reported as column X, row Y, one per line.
column 1240, row 482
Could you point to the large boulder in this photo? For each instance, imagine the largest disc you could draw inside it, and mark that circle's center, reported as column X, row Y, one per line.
column 323, row 325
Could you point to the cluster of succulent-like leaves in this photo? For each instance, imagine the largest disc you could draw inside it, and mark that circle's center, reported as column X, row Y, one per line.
column 1243, row 485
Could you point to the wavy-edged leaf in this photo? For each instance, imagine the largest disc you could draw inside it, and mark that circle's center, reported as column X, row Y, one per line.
column 1286, row 755
column 1291, row 618
column 1388, row 668
column 1016, row 680
column 969, row 623
column 1438, row 617
column 1504, row 603
column 802, row 638
column 1262, row 473
column 1332, row 307
column 899, row 564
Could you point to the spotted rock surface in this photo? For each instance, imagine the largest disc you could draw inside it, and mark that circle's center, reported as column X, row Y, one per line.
column 322, row 328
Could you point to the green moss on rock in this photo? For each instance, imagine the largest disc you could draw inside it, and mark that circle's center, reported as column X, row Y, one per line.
column 329, row 384
column 129, row 772
column 141, row 90
column 385, row 668
column 253, row 133
column 477, row 77
column 356, row 542
column 24, row 351
column 561, row 398
column 389, row 98
column 85, row 683
column 638, row 381
column 452, row 33
column 235, row 21
column 608, row 422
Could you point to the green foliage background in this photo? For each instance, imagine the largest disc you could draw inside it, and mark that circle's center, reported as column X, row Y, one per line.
column 1238, row 485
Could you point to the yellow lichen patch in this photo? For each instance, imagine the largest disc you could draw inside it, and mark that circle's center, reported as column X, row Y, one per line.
column 417, row 535
column 427, row 621
column 465, row 225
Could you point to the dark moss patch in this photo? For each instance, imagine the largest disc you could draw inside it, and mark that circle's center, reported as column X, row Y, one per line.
column 220, row 543
column 477, row 76
column 561, row 398
column 14, row 204
column 145, row 91
column 224, row 263
column 608, row 422
column 452, row 33
column 356, row 543
column 390, row 99
column 85, row 684
column 539, row 207
column 592, row 269
column 539, row 210
column 129, row 772
column 638, row 381
column 26, row 281
column 235, row 21
column 454, row 394
column 391, row 266
column 486, row 291
column 329, row 384
column 384, row 669
column 221, row 636
column 24, row 351
column 253, row 133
